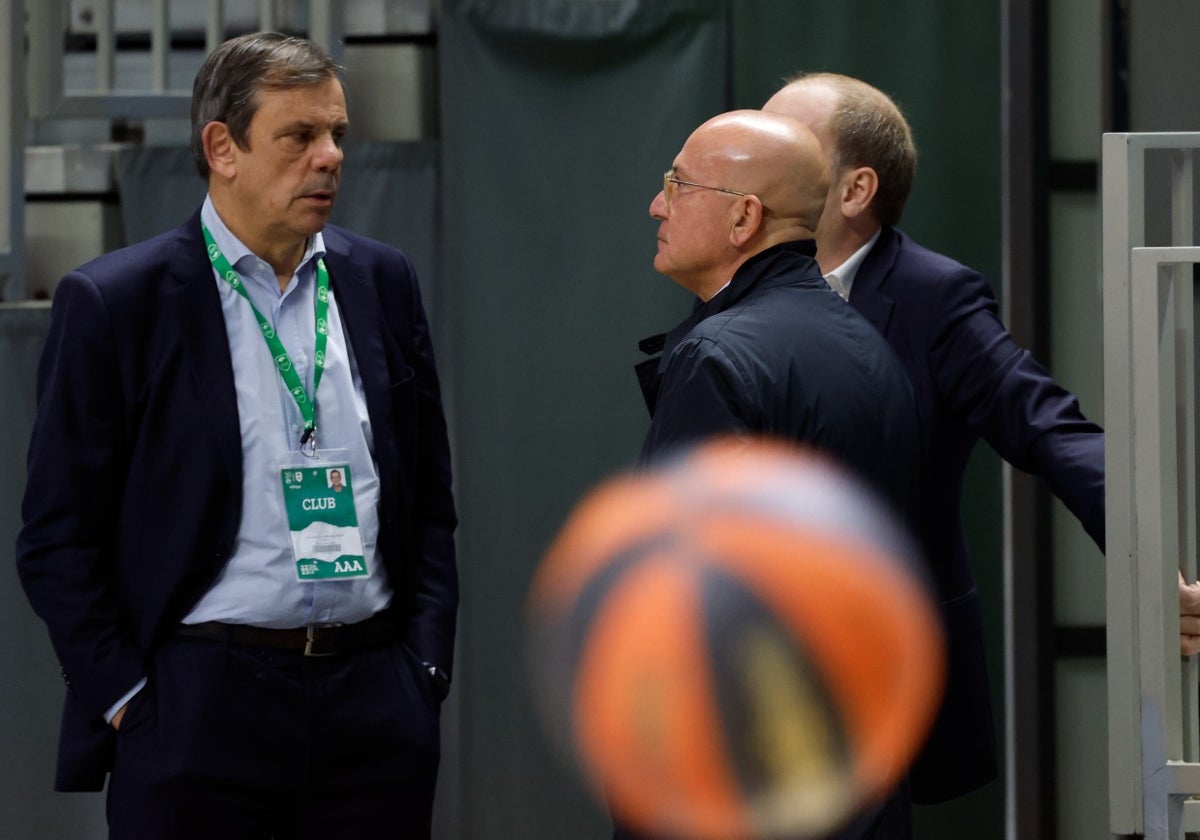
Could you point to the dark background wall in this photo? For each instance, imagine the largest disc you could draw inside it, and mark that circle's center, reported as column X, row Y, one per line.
column 558, row 120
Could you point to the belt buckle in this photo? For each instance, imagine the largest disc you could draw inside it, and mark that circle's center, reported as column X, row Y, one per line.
column 311, row 636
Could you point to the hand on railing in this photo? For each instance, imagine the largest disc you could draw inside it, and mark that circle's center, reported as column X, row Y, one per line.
column 1189, row 617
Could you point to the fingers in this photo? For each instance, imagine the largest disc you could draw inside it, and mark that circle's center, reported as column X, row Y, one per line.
column 1189, row 596
column 1189, row 617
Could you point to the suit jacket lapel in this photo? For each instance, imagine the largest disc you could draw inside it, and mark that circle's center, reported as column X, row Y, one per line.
column 360, row 310
column 196, row 308
column 867, row 295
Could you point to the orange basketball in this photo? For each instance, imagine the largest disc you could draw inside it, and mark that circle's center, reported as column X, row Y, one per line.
column 738, row 645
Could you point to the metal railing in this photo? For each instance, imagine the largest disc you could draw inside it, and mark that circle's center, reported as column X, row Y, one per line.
column 12, row 151
column 50, row 96
column 1151, row 467
column 36, row 85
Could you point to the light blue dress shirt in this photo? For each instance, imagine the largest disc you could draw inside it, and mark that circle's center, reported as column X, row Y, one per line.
column 258, row 585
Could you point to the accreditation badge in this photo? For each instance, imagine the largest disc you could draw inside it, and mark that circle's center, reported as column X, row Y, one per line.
column 318, row 496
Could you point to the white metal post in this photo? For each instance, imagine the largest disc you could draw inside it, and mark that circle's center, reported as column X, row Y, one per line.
column 1152, row 500
column 12, row 151
column 106, row 46
column 1123, row 228
column 160, row 46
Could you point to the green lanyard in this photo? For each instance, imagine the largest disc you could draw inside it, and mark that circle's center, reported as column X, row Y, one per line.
column 308, row 407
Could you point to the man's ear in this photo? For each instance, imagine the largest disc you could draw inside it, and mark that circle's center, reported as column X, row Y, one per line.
column 746, row 219
column 219, row 148
column 858, row 187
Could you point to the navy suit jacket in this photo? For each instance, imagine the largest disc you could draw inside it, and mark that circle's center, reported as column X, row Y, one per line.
column 134, row 493
column 971, row 381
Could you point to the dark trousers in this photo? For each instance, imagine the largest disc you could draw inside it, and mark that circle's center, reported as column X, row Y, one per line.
column 247, row 743
column 891, row 820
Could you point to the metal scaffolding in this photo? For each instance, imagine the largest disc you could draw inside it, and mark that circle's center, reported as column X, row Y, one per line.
column 12, row 151
column 1151, row 465
column 35, row 83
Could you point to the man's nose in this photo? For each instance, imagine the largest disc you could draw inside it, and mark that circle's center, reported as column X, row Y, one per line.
column 658, row 207
column 328, row 155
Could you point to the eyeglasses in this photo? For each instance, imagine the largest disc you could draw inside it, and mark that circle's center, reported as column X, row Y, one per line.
column 670, row 182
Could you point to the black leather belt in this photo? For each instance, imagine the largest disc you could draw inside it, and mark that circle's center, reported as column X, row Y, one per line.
column 312, row 640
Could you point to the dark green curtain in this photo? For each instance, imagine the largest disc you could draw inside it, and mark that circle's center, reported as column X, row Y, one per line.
column 387, row 192
column 159, row 189
column 940, row 61
column 558, row 118
column 32, row 692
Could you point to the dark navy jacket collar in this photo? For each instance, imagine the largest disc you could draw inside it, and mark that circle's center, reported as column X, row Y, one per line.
column 756, row 269
column 761, row 271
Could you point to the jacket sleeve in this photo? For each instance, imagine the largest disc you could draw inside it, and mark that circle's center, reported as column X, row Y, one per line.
column 435, row 599
column 72, row 499
column 1009, row 399
column 703, row 394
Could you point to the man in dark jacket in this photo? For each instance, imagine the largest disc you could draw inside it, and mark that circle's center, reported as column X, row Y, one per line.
column 771, row 349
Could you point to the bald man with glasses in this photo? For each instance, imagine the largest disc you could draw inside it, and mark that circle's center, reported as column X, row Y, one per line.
column 770, row 349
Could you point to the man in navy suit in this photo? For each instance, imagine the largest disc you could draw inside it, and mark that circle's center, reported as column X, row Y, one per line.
column 248, row 654
column 971, row 381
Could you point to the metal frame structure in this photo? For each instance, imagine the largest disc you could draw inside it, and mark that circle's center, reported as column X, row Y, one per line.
column 37, row 80
column 1030, row 802
column 12, row 152
column 1151, row 465
column 48, row 97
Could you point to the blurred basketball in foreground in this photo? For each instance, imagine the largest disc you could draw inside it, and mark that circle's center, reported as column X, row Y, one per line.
column 735, row 645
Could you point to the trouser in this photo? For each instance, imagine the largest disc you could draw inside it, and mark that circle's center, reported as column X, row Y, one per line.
column 247, row 743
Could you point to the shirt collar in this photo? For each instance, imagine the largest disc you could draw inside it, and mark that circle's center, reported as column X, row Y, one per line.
column 841, row 279
column 235, row 250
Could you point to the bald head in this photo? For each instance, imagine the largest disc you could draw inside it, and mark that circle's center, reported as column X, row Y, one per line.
column 743, row 181
column 771, row 156
column 859, row 126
